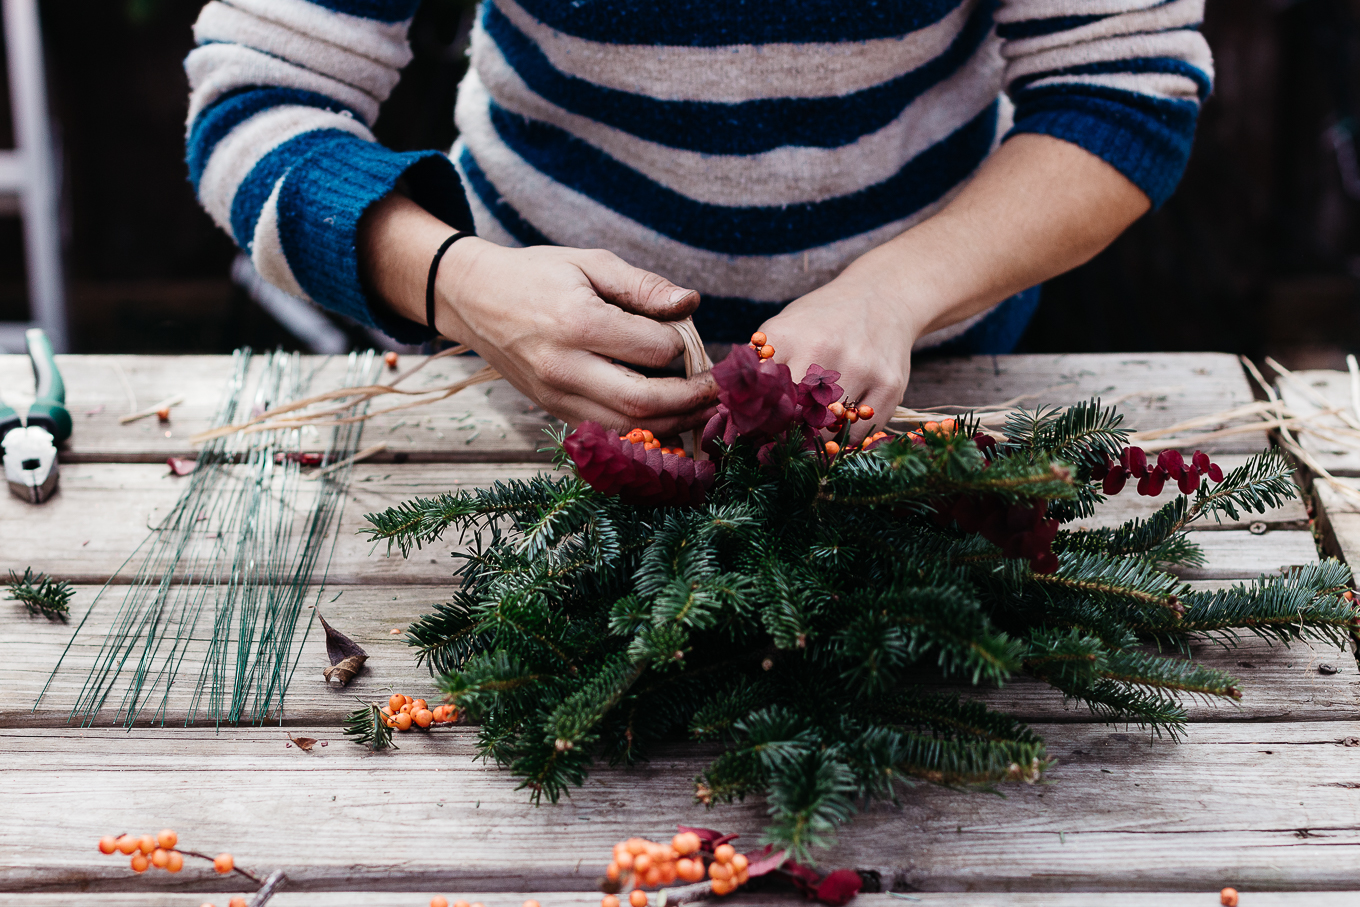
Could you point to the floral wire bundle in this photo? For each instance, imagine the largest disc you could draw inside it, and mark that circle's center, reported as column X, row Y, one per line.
column 787, row 597
column 41, row 595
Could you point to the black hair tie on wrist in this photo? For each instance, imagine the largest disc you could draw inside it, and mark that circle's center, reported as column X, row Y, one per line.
column 434, row 270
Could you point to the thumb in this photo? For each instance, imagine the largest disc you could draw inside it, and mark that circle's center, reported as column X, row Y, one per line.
column 638, row 291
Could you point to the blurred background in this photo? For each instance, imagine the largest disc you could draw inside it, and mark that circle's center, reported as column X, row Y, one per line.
column 1258, row 252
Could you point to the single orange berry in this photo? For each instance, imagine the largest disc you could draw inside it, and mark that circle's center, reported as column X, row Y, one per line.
column 724, row 853
column 720, row 887
column 1228, row 897
column 127, row 844
column 140, row 862
column 832, row 448
column 174, row 861
column 636, row 436
column 851, row 415
column 439, row 901
column 865, row 411
column 461, row 904
column 611, row 872
column 167, row 838
column 207, row 904
column 476, row 904
column 642, row 862
column 108, row 844
column 948, row 426
column 681, row 452
column 530, row 903
column 237, row 902
column 931, row 426
column 739, row 863
column 419, row 704
column 638, row 898
column 146, row 844
column 390, row 722
column 837, row 409
column 403, row 721
column 767, row 352
column 719, row 872
column 224, row 863
column 609, row 901
column 625, row 860
column 652, row 444
column 758, row 339
column 159, row 857
column 424, row 718
column 396, row 702
column 390, row 357
column 647, row 435
column 163, row 414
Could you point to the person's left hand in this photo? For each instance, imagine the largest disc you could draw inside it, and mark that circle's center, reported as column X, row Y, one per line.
column 850, row 325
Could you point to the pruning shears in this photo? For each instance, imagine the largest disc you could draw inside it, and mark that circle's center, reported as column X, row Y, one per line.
column 29, row 443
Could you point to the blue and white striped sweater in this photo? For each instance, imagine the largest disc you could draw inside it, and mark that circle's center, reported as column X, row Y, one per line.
column 748, row 149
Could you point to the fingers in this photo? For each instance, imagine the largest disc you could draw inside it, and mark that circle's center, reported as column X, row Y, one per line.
column 628, row 394
column 610, row 331
column 638, row 291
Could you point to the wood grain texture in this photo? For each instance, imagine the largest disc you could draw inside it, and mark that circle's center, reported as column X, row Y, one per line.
column 1168, row 388
column 1119, row 812
column 1335, row 388
column 1277, row 682
column 1164, row 388
column 420, row 898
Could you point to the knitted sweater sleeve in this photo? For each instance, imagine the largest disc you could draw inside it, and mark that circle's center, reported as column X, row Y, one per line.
column 1123, row 79
column 279, row 148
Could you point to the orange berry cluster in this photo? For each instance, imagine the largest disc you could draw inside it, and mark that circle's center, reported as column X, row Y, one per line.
column 760, row 343
column 148, row 850
column 649, row 442
column 402, row 712
column 234, row 902
column 728, row 869
column 640, row 862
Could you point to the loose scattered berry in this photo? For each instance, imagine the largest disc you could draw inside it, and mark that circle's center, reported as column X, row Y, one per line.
column 1228, row 897
column 174, row 861
column 224, row 863
column 439, row 901
column 163, row 414
column 140, row 862
column 638, row 898
column 390, row 357
column 108, row 844
column 167, row 838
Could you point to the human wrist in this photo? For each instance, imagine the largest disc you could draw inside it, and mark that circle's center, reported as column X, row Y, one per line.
column 456, row 288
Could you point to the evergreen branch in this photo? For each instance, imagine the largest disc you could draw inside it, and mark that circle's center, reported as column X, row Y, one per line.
column 368, row 726
column 41, row 595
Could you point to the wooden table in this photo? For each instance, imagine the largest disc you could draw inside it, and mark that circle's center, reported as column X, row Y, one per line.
column 1265, row 797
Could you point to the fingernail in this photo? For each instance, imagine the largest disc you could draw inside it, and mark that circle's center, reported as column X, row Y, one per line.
column 679, row 295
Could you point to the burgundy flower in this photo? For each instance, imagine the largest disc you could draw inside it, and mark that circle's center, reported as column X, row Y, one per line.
column 760, row 396
column 1172, row 462
column 638, row 476
column 1101, row 470
column 718, row 428
column 1115, row 479
column 1212, row 470
column 1134, row 459
column 1189, row 480
column 818, row 389
column 1019, row 530
column 1152, row 482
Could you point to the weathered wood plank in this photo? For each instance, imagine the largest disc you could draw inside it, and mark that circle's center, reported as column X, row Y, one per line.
column 1335, row 388
column 1269, row 807
column 505, row 424
column 1172, row 387
column 1167, row 388
column 1278, row 682
column 103, row 510
column 1339, row 519
column 748, row 898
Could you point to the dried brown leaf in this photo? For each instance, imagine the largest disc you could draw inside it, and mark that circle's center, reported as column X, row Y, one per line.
column 347, row 658
column 303, row 743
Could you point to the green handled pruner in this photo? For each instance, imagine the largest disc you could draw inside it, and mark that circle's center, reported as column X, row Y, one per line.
column 29, row 444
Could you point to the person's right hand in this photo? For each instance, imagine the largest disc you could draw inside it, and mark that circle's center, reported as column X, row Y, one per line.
column 550, row 319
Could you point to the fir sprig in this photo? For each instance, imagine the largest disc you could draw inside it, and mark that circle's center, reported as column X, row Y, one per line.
column 41, row 595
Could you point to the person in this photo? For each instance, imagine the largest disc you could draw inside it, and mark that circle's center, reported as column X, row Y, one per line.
column 860, row 180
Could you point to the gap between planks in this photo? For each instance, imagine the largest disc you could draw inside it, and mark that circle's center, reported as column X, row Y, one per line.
column 1274, row 806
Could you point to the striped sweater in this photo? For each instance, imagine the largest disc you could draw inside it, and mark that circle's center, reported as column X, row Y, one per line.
column 749, row 149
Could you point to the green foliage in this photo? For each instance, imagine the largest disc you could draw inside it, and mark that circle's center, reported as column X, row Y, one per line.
column 41, row 595
column 366, row 725
column 789, row 617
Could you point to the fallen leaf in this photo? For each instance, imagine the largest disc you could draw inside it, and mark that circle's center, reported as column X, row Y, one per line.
column 764, row 861
column 347, row 658
column 180, row 466
column 303, row 743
